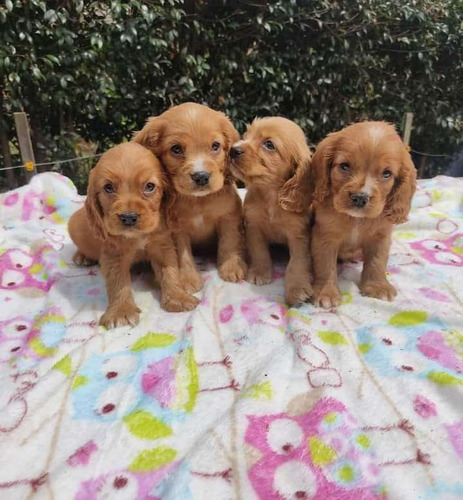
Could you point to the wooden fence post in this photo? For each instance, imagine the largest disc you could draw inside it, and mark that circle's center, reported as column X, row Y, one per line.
column 5, row 147
column 408, row 128
column 25, row 144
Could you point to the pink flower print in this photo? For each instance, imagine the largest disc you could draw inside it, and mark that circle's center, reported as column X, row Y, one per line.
column 456, row 437
column 82, row 455
column 444, row 347
column 20, row 269
column 319, row 455
column 31, row 204
column 159, row 381
column 14, row 334
column 226, row 314
column 262, row 311
column 432, row 294
column 124, row 484
column 11, row 199
column 441, row 252
column 424, row 407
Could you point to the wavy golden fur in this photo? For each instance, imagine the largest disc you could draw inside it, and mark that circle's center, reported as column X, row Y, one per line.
column 364, row 183
column 273, row 160
column 122, row 222
column 193, row 143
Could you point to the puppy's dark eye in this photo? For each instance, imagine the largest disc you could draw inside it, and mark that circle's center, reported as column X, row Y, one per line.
column 109, row 188
column 149, row 188
column 177, row 149
column 215, row 146
column 345, row 167
column 386, row 174
column 269, row 145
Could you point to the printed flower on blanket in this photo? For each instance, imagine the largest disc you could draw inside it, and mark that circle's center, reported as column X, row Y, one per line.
column 413, row 344
column 147, row 387
column 448, row 252
column 20, row 269
column 253, row 314
column 147, row 477
column 33, row 202
column 22, row 341
column 321, row 454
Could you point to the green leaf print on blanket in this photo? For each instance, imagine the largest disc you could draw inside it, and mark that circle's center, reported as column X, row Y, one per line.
column 153, row 459
column 145, row 425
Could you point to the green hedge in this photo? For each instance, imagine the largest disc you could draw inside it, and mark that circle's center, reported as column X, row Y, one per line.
column 97, row 69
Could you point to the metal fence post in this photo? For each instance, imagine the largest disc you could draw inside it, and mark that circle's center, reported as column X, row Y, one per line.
column 25, row 144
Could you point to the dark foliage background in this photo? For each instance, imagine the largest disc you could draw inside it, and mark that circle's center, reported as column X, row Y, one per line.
column 89, row 73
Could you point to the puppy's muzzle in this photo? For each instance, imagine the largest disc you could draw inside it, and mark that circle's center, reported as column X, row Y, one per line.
column 129, row 219
column 201, row 178
column 236, row 152
column 359, row 200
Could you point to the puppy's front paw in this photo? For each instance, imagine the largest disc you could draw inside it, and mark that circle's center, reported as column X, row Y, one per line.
column 297, row 293
column 80, row 259
column 259, row 277
column 382, row 290
column 191, row 280
column 121, row 315
column 179, row 302
column 233, row 270
column 327, row 296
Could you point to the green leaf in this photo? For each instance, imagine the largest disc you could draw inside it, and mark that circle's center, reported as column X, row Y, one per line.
column 151, row 340
column 260, row 392
column 37, row 346
column 443, row 378
column 156, row 458
column 408, row 318
column 143, row 424
column 364, row 348
column 193, row 385
column 52, row 58
column 322, row 453
column 79, row 381
column 64, row 365
column 333, row 338
column 49, row 15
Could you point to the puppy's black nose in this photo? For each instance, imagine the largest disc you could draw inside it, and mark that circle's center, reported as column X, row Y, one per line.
column 201, row 178
column 236, row 151
column 129, row 218
column 359, row 200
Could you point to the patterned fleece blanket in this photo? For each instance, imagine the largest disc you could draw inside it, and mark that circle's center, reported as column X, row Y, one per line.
column 242, row 398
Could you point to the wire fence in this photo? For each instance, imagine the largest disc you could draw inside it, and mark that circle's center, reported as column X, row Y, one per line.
column 427, row 164
column 76, row 169
column 56, row 162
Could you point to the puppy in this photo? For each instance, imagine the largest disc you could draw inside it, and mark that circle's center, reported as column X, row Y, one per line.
column 364, row 184
column 122, row 223
column 273, row 160
column 193, row 143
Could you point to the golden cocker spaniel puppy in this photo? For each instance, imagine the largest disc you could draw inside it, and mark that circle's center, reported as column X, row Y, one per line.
column 193, row 143
column 122, row 223
column 273, row 160
column 364, row 184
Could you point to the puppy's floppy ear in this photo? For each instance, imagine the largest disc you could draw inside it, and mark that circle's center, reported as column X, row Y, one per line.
column 400, row 198
column 296, row 193
column 150, row 135
column 231, row 136
column 168, row 201
column 94, row 209
column 321, row 167
column 229, row 132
